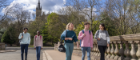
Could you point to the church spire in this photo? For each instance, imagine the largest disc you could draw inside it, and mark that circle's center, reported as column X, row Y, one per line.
column 38, row 6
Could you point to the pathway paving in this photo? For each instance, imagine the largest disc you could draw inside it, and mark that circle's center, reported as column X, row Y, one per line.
column 17, row 54
column 56, row 55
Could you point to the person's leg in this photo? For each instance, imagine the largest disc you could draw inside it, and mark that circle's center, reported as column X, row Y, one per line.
column 26, row 50
column 104, row 49
column 101, row 52
column 38, row 53
column 67, row 51
column 71, row 50
column 88, row 52
column 22, row 51
column 83, row 52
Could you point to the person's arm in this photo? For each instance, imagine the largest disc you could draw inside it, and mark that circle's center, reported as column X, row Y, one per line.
column 63, row 36
column 108, row 38
column 29, row 39
column 34, row 42
column 75, row 37
column 96, row 35
column 42, row 42
column 91, row 40
column 20, row 36
column 81, row 35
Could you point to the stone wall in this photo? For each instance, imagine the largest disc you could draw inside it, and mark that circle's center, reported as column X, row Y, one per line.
column 2, row 46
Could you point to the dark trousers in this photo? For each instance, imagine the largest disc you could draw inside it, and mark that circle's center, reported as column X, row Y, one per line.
column 102, row 50
column 24, row 47
column 38, row 49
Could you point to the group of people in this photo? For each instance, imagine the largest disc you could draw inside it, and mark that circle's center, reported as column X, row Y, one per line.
column 25, row 41
column 85, row 36
column 86, row 40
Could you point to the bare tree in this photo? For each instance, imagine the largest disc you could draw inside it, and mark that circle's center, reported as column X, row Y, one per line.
column 3, row 3
column 86, row 7
column 19, row 16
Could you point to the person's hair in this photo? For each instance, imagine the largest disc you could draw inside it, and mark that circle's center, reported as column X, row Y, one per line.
column 25, row 28
column 86, row 23
column 103, row 25
column 38, row 31
column 67, row 26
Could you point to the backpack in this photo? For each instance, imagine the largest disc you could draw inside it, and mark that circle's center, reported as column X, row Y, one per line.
column 20, row 39
column 40, row 37
column 83, row 33
column 61, row 48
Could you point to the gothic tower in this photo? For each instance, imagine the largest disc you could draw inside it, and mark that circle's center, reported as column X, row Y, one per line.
column 38, row 9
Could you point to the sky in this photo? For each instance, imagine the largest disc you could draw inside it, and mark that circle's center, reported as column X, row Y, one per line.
column 47, row 5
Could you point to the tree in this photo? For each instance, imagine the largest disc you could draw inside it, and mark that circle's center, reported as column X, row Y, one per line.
column 125, row 14
column 86, row 7
column 8, row 36
column 55, row 26
column 3, row 3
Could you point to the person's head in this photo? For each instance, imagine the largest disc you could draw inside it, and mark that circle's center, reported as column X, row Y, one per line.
column 70, row 26
column 25, row 30
column 87, row 25
column 102, row 27
column 38, row 32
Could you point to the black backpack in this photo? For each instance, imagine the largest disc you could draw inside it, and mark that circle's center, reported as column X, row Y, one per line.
column 61, row 48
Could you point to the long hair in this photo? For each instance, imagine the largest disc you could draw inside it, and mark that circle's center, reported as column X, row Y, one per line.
column 103, row 25
column 67, row 26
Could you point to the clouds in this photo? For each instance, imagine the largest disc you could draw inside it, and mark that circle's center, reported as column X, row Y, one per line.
column 47, row 5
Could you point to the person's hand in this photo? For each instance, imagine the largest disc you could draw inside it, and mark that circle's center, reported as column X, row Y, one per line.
column 21, row 36
column 98, row 38
column 91, row 48
column 84, row 35
column 66, row 38
column 41, row 48
column 34, row 48
column 70, row 38
column 77, row 45
column 107, row 45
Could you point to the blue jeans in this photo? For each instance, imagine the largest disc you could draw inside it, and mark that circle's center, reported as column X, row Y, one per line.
column 69, row 50
column 38, row 49
column 84, row 49
column 24, row 47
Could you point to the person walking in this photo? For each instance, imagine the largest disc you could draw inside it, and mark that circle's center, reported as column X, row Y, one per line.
column 86, row 38
column 69, row 37
column 24, row 42
column 103, row 40
column 38, row 44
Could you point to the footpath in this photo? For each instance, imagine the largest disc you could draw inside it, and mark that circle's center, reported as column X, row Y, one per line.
column 56, row 55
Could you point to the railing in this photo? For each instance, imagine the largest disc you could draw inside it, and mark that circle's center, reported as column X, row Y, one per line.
column 124, row 47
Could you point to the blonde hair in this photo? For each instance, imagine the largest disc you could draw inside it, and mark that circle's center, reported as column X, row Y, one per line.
column 67, row 26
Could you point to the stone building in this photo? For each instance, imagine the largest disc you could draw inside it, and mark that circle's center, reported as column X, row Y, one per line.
column 40, row 15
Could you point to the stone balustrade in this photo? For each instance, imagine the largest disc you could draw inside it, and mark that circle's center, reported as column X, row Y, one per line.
column 2, row 46
column 124, row 47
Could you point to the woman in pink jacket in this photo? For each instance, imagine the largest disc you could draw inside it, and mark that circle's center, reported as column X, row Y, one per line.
column 38, row 44
column 86, row 40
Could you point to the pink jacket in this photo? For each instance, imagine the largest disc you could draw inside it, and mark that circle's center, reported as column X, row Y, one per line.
column 87, row 41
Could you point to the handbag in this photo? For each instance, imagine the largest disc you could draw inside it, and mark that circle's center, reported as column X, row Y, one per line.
column 61, row 48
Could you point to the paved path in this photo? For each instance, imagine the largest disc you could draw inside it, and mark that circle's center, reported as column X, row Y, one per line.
column 17, row 54
column 56, row 55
